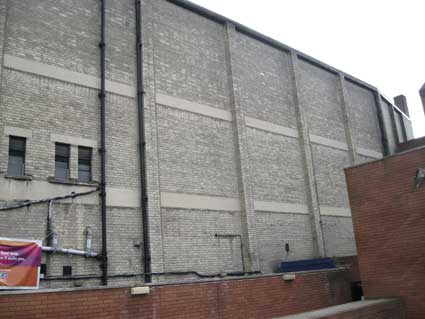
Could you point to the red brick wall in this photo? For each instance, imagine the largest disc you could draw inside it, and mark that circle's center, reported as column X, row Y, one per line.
column 389, row 223
column 266, row 297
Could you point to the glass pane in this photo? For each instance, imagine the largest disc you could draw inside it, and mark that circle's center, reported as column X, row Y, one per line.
column 61, row 171
column 15, row 166
column 17, row 144
column 84, row 153
column 84, row 176
column 62, row 150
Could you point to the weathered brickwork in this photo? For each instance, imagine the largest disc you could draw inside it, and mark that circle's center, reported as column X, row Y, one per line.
column 361, row 101
column 190, row 241
column 196, row 154
column 276, row 166
column 274, row 230
column 388, row 214
column 189, row 56
column 338, row 233
column 328, row 166
column 227, row 150
column 268, row 298
column 266, row 86
column 321, row 99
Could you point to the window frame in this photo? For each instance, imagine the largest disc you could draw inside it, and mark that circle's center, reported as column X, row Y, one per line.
column 87, row 161
column 59, row 159
column 18, row 153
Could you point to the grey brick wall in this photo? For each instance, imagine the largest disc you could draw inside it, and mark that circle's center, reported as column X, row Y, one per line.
column 321, row 98
column 266, row 87
column 276, row 167
column 190, row 242
column 328, row 165
column 366, row 128
column 274, row 230
column 189, row 56
column 235, row 135
column 196, row 154
column 339, row 233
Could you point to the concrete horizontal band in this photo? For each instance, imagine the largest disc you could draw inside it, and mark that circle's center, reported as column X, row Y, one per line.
column 73, row 140
column 61, row 74
column 280, row 207
column 36, row 190
column 270, row 127
column 194, row 201
column 369, row 153
column 193, row 107
column 17, row 131
column 335, row 211
column 316, row 139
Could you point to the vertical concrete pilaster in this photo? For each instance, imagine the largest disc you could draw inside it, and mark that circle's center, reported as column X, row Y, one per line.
column 304, row 139
column 245, row 182
column 347, row 117
column 151, row 136
column 385, row 131
column 394, row 126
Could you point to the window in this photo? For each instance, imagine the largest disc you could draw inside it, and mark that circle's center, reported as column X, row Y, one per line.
column 62, row 152
column 84, row 164
column 16, row 165
column 67, row 271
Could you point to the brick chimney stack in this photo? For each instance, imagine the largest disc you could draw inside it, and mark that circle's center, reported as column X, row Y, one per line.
column 401, row 103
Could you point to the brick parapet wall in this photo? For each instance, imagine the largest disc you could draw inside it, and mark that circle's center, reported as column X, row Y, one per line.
column 388, row 214
column 262, row 297
column 372, row 309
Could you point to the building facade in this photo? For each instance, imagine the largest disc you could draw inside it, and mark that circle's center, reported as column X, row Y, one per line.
column 240, row 141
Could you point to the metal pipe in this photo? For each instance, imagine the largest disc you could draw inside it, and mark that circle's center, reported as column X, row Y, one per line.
column 142, row 143
column 41, row 201
column 170, row 273
column 102, row 150
column 69, row 251
column 241, row 245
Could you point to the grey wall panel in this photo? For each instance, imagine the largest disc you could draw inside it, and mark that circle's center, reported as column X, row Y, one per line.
column 409, row 128
column 387, row 119
column 190, row 242
column 329, row 167
column 363, row 110
column 197, row 154
column 321, row 98
column 339, row 236
column 275, row 230
column 399, row 124
column 190, row 56
column 67, row 34
column 266, row 87
column 276, row 166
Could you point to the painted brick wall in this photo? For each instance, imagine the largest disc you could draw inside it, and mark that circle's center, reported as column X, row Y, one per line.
column 264, row 298
column 66, row 35
column 388, row 214
column 186, row 56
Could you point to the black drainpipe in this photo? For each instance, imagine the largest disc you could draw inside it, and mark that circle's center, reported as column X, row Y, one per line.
column 142, row 143
column 102, row 150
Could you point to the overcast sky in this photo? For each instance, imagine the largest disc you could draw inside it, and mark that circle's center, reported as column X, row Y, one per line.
column 382, row 42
